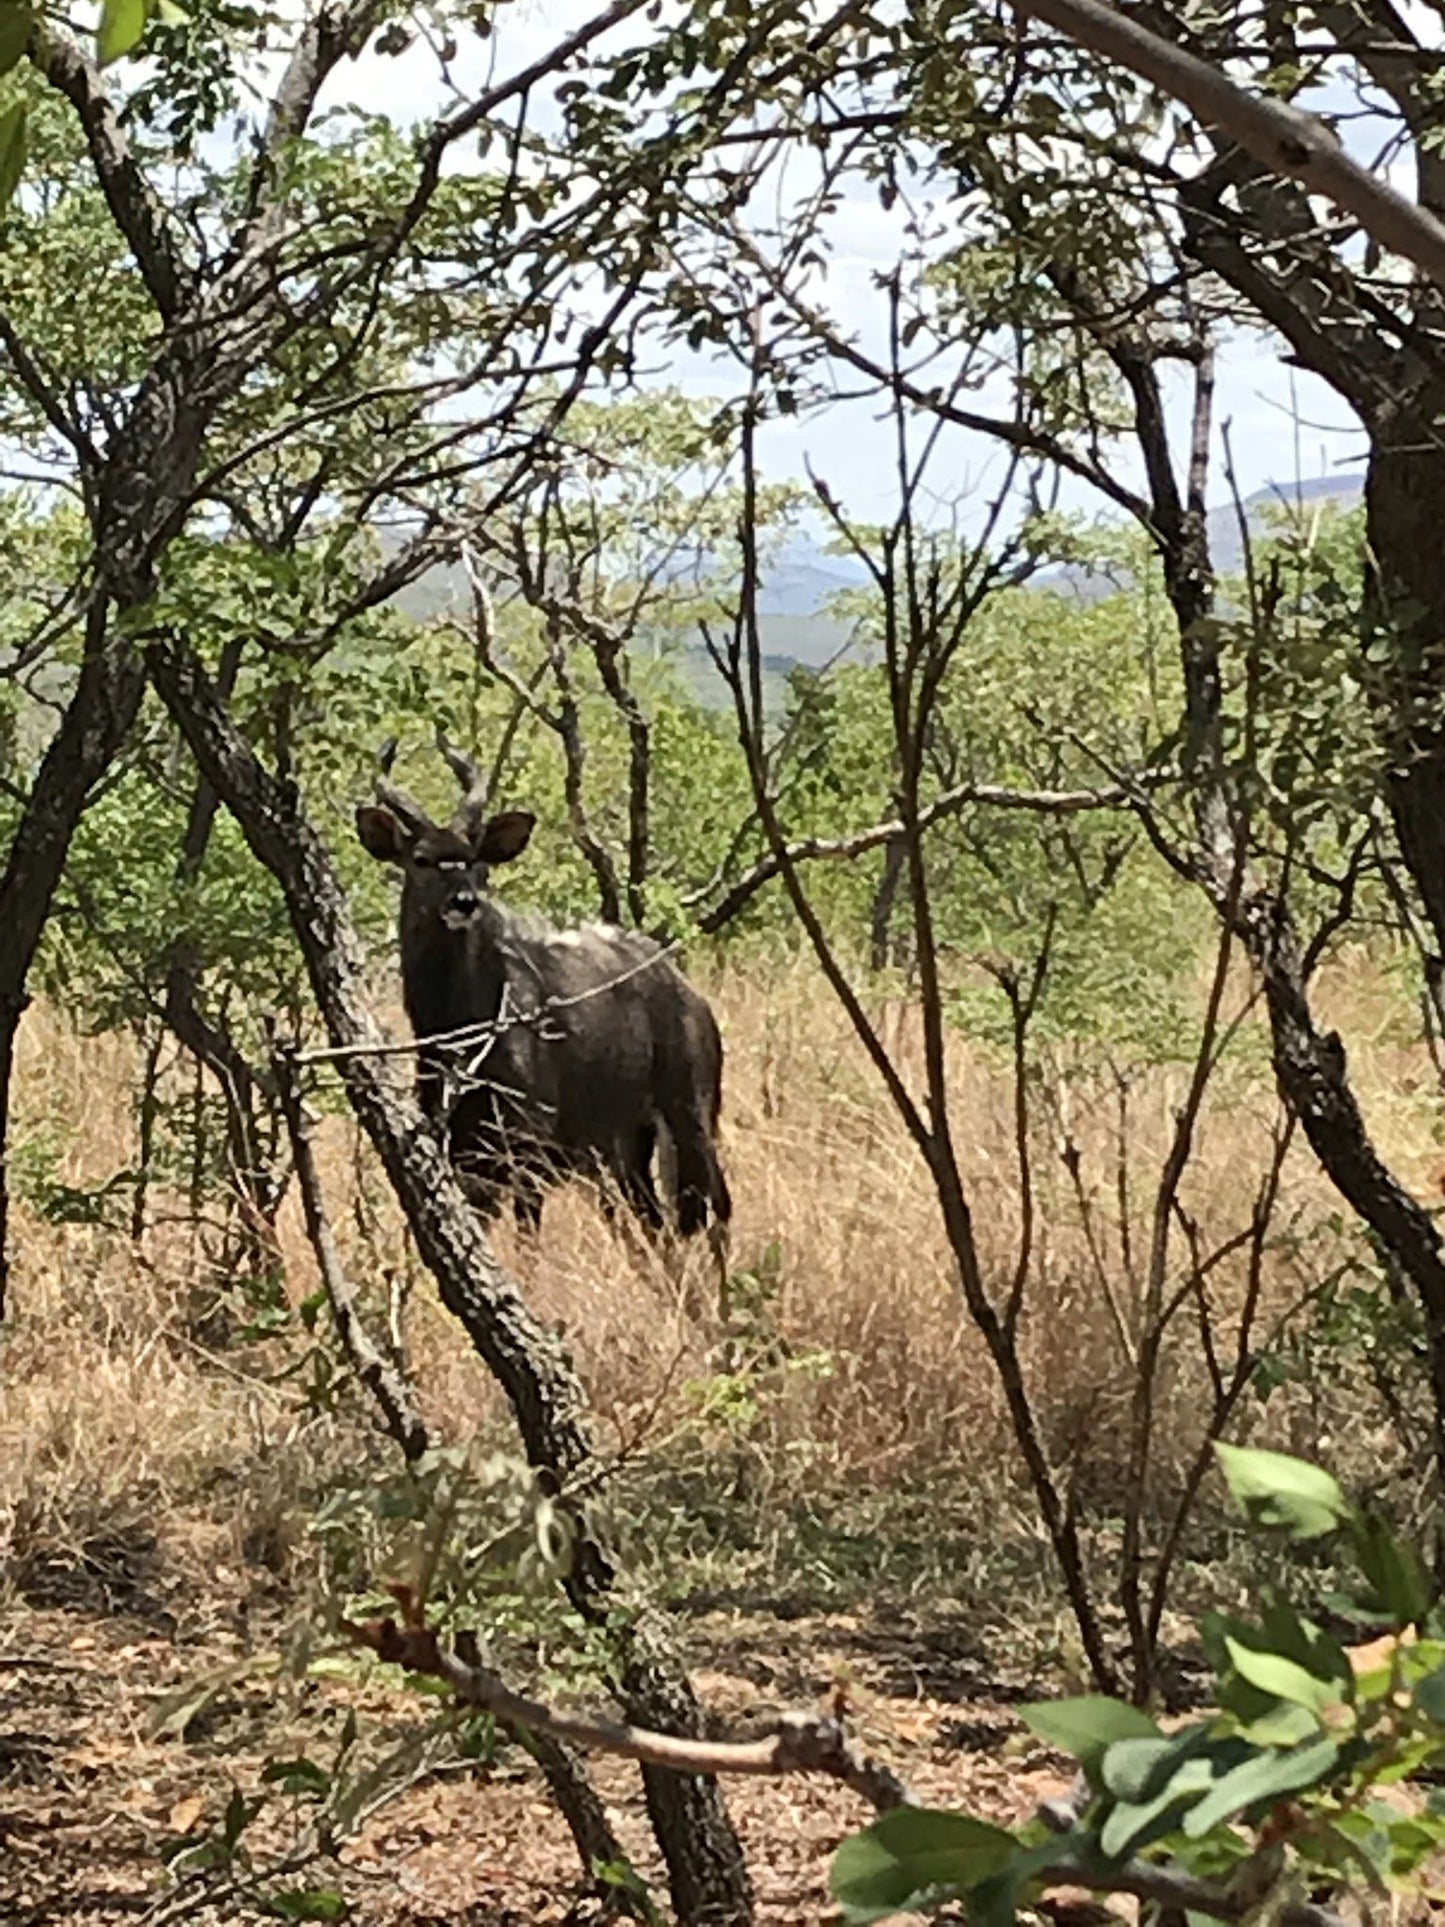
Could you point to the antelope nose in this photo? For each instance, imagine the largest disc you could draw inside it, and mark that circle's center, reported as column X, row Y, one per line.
column 464, row 903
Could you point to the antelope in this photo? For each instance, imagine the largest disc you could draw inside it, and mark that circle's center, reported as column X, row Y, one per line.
column 543, row 1053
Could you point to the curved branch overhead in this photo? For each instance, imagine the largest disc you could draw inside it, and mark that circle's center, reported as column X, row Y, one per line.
column 1282, row 137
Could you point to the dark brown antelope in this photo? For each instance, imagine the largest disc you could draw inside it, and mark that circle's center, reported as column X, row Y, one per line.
column 545, row 1053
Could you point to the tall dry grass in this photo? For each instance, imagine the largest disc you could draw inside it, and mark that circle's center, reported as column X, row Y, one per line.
column 139, row 1449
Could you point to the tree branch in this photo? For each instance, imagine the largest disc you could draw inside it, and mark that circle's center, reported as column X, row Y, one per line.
column 393, row 1395
column 1017, row 435
column 327, row 34
column 135, row 207
column 1283, row 138
column 991, row 795
column 1284, row 268
column 1376, row 34
column 802, row 1743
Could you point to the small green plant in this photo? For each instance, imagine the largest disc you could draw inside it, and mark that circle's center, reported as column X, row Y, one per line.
column 323, row 1799
column 1275, row 1798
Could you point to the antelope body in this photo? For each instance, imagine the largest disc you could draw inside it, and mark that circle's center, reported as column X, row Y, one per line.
column 584, row 1045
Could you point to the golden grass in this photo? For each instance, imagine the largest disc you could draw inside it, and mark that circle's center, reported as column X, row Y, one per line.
column 136, row 1449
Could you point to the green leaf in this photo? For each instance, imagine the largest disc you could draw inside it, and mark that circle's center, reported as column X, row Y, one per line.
column 305, row 1903
column 239, row 1814
column 12, row 151
column 1430, row 1696
column 1235, row 1695
column 1285, row 1724
column 1278, row 1490
column 1088, row 1726
column 1357, row 1845
column 297, row 1776
column 122, row 22
column 1135, row 1824
column 1137, row 1770
column 1399, row 1586
column 623, row 1877
column 1284, row 1679
column 995, row 1902
column 1413, row 1841
column 1299, row 1639
column 913, row 1854
column 16, row 21
column 1266, row 1778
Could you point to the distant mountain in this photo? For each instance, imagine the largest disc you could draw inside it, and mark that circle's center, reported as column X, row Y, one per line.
column 791, row 602
column 804, row 577
column 1226, row 543
column 1284, row 499
column 798, row 583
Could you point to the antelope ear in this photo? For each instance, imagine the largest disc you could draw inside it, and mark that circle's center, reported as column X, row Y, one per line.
column 381, row 833
column 503, row 837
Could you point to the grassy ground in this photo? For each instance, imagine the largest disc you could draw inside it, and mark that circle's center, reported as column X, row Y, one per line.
column 840, row 1490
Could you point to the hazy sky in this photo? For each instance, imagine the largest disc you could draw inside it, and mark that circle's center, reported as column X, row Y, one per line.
column 1282, row 422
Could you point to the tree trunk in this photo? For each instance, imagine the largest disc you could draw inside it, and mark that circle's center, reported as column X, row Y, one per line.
column 96, row 723
column 706, row 1871
column 1405, row 646
column 137, row 502
column 1314, row 1077
column 1405, row 519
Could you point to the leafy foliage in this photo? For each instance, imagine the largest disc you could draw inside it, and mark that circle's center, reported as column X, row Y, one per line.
column 1277, row 1789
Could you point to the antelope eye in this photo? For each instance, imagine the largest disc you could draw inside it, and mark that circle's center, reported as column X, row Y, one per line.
column 423, row 862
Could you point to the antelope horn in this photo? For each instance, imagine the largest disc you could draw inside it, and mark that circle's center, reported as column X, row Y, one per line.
column 397, row 800
column 474, row 785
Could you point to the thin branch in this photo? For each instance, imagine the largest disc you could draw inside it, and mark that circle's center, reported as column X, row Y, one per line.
column 66, row 425
column 394, row 1396
column 996, row 796
column 1017, row 435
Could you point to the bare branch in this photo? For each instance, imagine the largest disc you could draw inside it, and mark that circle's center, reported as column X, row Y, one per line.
column 447, row 133
column 990, row 795
column 1020, row 436
column 45, row 398
column 802, row 1743
column 394, row 1396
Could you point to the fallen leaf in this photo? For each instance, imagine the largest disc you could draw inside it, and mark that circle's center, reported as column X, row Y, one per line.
column 915, row 1730
column 185, row 1813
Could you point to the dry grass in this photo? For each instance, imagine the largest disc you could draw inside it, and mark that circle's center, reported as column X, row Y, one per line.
column 137, row 1453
